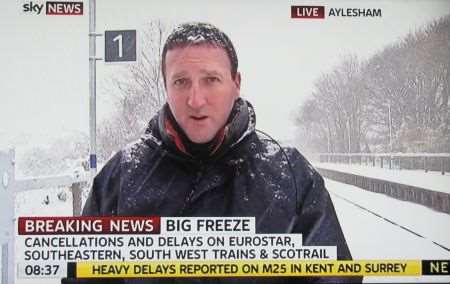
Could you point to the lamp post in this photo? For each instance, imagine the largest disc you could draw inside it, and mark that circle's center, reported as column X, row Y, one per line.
column 92, row 90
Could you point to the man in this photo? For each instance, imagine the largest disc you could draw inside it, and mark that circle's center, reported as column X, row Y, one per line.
column 201, row 156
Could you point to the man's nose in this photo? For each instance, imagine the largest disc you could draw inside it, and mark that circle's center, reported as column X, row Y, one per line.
column 197, row 97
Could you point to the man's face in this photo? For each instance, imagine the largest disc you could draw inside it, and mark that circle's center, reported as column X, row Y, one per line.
column 200, row 89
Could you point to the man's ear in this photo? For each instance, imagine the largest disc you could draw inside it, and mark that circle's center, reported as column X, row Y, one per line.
column 237, row 80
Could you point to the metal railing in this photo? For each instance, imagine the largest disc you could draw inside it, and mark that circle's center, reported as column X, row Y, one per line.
column 411, row 161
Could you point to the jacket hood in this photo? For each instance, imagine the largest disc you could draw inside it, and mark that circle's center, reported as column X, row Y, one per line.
column 165, row 132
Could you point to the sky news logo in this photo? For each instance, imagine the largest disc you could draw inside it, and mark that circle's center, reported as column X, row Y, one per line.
column 54, row 8
column 319, row 12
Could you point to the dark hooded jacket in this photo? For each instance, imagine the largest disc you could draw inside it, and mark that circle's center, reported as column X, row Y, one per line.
column 243, row 174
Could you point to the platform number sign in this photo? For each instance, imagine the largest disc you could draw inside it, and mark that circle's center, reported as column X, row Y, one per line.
column 120, row 46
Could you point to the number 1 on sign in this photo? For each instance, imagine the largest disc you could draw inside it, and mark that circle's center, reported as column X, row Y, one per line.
column 119, row 39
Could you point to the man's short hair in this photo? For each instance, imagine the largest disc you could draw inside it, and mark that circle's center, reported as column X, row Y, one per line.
column 198, row 34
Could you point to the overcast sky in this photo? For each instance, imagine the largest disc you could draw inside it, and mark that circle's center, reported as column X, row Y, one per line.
column 44, row 82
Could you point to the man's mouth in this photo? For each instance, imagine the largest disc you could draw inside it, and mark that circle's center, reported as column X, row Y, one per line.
column 199, row 117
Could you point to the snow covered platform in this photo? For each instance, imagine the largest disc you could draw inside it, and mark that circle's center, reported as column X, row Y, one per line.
column 379, row 227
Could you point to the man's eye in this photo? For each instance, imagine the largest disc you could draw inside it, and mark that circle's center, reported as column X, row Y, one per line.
column 179, row 82
column 212, row 79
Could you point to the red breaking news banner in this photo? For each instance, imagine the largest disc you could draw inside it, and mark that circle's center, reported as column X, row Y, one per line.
column 88, row 225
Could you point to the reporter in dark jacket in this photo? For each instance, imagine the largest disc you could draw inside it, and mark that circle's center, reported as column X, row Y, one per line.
column 201, row 156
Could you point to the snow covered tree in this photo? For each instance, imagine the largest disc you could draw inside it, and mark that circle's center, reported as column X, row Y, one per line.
column 333, row 118
column 397, row 100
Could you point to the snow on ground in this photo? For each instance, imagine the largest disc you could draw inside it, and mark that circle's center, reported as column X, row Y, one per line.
column 429, row 223
column 44, row 202
column 372, row 237
column 430, row 180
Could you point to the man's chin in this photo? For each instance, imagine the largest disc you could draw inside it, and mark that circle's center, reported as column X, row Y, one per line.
column 198, row 138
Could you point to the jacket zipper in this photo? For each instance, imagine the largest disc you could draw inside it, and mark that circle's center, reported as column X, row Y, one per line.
column 189, row 197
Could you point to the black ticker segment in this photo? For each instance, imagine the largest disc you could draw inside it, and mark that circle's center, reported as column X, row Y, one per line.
column 71, row 270
column 436, row 267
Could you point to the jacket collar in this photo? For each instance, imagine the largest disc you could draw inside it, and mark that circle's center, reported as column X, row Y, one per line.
column 164, row 130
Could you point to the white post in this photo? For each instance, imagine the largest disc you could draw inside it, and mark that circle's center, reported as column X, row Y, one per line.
column 7, row 216
column 390, row 127
column 349, row 137
column 328, row 142
column 4, row 263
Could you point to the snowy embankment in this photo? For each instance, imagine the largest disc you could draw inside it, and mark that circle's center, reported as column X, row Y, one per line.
column 428, row 180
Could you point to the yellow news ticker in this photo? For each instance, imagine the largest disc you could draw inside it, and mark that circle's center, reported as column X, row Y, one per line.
column 248, row 268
